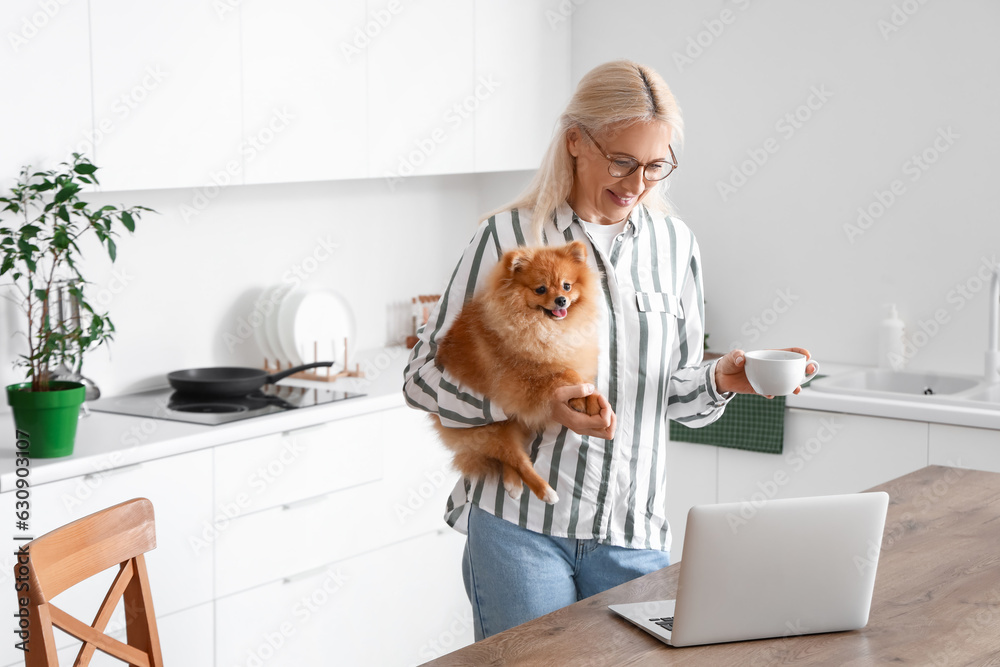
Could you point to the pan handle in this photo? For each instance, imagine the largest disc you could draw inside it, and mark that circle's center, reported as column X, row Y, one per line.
column 274, row 377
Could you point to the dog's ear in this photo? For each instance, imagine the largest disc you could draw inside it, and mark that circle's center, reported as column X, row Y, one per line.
column 514, row 261
column 576, row 251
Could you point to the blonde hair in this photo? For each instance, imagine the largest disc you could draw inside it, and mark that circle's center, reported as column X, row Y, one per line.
column 617, row 93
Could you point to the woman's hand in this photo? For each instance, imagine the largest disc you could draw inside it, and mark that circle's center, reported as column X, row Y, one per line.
column 596, row 426
column 731, row 375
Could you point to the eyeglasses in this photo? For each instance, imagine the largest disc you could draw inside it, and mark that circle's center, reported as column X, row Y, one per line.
column 621, row 166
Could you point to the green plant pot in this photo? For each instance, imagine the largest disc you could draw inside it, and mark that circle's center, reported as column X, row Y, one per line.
column 48, row 417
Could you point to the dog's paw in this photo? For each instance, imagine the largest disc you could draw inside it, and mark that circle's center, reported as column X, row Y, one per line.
column 514, row 490
column 590, row 405
column 550, row 496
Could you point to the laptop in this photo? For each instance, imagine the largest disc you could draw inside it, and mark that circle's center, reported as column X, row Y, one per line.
column 775, row 568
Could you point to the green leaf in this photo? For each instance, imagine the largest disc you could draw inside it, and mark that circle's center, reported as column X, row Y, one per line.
column 8, row 264
column 60, row 239
column 42, row 295
column 29, row 232
column 25, row 247
column 63, row 214
column 112, row 249
column 85, row 168
column 66, row 193
column 128, row 221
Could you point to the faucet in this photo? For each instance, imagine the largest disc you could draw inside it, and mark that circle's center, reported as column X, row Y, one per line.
column 993, row 340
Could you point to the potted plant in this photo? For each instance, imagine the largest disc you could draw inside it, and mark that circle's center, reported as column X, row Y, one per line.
column 41, row 219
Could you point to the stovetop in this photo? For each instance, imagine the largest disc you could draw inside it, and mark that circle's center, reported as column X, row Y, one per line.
column 168, row 404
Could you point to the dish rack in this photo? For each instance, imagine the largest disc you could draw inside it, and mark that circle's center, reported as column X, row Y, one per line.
column 314, row 373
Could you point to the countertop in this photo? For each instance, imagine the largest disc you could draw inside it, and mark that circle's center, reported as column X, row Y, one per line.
column 936, row 599
column 106, row 441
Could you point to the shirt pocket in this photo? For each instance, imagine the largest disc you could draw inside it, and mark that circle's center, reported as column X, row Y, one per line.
column 659, row 302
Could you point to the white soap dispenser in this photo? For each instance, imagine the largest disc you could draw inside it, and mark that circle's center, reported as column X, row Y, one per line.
column 890, row 340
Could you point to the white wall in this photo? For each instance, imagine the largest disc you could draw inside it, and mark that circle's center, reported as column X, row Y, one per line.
column 783, row 230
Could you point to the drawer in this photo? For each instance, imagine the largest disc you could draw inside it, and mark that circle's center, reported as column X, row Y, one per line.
column 284, row 540
column 338, row 613
column 180, row 568
column 285, row 468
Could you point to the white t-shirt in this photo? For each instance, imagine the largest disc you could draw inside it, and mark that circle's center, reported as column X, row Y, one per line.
column 604, row 235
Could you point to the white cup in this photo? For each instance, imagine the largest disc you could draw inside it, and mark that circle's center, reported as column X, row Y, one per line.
column 777, row 372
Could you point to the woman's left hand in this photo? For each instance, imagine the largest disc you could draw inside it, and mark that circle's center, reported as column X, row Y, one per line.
column 730, row 372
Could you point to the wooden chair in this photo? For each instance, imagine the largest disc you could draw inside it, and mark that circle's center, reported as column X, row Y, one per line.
column 119, row 535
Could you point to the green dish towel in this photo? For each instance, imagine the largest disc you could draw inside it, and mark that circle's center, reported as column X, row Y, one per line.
column 750, row 422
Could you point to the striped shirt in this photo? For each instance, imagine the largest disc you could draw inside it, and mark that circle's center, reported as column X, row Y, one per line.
column 650, row 369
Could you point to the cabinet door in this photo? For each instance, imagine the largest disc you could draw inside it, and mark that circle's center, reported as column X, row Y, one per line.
column 47, row 110
column 167, row 79
column 964, row 447
column 824, row 453
column 418, row 476
column 422, row 77
column 304, row 90
column 691, row 480
column 401, row 605
column 180, row 572
column 523, row 52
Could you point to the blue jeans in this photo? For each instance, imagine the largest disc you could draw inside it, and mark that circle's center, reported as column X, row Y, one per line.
column 513, row 575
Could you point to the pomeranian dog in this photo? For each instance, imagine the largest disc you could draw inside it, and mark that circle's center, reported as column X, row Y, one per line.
column 530, row 330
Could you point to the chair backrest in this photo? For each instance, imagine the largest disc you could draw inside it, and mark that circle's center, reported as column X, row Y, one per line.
column 119, row 535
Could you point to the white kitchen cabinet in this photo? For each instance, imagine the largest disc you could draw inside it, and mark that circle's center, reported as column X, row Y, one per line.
column 364, row 493
column 824, row 453
column 286, row 468
column 421, row 72
column 185, row 639
column 358, row 484
column 418, row 476
column 180, row 574
column 523, row 51
column 166, row 78
column 691, row 480
column 964, row 447
column 312, row 532
column 304, row 89
column 47, row 112
column 400, row 605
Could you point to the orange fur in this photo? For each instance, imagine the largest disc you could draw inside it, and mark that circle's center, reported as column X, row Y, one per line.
column 507, row 345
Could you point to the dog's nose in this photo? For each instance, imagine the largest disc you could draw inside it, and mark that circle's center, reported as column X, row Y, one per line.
column 561, row 301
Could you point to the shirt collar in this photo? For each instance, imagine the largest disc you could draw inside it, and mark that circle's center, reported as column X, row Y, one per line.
column 564, row 215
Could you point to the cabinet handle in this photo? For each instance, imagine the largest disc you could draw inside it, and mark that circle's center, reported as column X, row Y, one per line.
column 305, row 429
column 302, row 503
column 89, row 477
column 308, row 574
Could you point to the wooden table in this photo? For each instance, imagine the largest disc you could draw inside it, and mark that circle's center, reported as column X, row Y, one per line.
column 936, row 600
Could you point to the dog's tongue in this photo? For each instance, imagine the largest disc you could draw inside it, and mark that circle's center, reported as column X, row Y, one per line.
column 559, row 312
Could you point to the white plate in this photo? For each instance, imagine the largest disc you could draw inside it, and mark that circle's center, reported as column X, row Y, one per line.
column 260, row 331
column 284, row 325
column 275, row 294
column 312, row 326
column 322, row 321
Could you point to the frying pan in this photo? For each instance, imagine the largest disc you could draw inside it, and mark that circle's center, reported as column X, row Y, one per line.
column 230, row 380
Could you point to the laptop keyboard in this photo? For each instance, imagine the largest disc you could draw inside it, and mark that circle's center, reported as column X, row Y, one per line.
column 667, row 623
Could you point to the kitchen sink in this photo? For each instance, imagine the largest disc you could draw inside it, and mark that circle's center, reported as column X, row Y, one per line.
column 883, row 381
column 986, row 394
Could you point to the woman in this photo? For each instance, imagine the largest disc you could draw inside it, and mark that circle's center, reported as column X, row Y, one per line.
column 601, row 181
